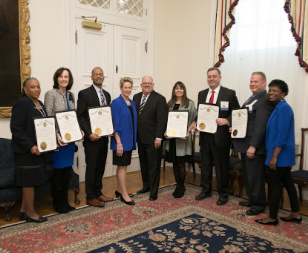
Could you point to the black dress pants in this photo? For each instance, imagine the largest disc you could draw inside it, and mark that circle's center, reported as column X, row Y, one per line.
column 254, row 178
column 150, row 164
column 96, row 155
column 277, row 178
column 221, row 155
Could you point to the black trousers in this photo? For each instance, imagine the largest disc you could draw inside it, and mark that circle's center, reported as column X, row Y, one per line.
column 150, row 164
column 96, row 155
column 221, row 155
column 277, row 178
column 254, row 178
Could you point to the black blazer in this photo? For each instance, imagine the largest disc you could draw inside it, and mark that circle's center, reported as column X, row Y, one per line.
column 88, row 98
column 222, row 136
column 22, row 125
column 256, row 126
column 151, row 123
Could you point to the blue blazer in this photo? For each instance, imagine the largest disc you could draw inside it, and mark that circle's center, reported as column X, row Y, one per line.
column 122, row 123
column 280, row 133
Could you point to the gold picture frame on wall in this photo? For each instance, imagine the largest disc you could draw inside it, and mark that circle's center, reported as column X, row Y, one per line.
column 15, row 51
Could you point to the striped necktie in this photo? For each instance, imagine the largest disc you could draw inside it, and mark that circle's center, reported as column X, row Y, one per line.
column 142, row 104
column 103, row 99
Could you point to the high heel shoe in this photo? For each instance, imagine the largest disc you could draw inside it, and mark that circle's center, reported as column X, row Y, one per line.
column 273, row 222
column 119, row 194
column 295, row 220
column 131, row 203
column 21, row 215
column 40, row 219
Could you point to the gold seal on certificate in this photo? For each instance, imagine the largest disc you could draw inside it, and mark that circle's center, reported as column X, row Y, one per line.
column 68, row 126
column 172, row 132
column 202, row 126
column 67, row 137
column 43, row 145
column 206, row 119
column 177, row 124
column 98, row 131
column 239, row 123
column 45, row 131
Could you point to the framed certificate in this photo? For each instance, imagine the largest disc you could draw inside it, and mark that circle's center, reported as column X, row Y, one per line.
column 101, row 120
column 239, row 123
column 45, row 130
column 177, row 124
column 68, row 126
column 206, row 119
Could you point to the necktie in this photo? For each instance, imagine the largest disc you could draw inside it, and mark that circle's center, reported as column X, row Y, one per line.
column 142, row 104
column 212, row 98
column 103, row 99
column 249, row 100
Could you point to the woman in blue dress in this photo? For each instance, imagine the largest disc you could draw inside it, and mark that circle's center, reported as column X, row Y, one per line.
column 60, row 98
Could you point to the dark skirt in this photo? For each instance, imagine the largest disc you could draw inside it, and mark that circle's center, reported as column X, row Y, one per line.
column 171, row 155
column 30, row 170
column 123, row 160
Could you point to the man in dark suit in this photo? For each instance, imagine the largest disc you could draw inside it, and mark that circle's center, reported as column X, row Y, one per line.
column 216, row 147
column 152, row 115
column 252, row 147
column 95, row 147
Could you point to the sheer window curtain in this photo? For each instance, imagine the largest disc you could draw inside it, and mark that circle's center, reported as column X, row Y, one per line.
column 261, row 40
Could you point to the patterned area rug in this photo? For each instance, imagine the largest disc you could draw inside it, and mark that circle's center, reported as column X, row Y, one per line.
column 164, row 225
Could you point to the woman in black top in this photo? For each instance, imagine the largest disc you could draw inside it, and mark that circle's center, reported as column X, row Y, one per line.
column 29, row 163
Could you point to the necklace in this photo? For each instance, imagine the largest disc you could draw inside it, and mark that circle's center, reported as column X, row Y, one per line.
column 42, row 112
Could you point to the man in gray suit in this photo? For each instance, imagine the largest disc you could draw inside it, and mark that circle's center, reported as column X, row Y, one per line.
column 252, row 147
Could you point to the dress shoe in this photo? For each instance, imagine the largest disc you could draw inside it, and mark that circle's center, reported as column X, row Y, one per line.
column 222, row 201
column 118, row 194
column 103, row 198
column 176, row 191
column 180, row 193
column 294, row 220
column 95, row 203
column 273, row 222
column 21, row 215
column 153, row 198
column 203, row 195
column 143, row 191
column 127, row 202
column 253, row 211
column 40, row 219
column 244, row 203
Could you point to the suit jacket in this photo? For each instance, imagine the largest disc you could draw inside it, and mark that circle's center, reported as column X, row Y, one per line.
column 256, row 126
column 88, row 98
column 152, row 121
column 280, row 133
column 122, row 123
column 55, row 101
column 222, row 136
column 22, row 125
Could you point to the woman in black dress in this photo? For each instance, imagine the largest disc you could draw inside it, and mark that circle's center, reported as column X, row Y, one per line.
column 179, row 151
column 29, row 163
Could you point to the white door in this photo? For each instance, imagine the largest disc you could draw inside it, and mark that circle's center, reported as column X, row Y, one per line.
column 119, row 52
column 129, row 60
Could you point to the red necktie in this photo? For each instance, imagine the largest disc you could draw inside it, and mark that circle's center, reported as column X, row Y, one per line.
column 212, row 98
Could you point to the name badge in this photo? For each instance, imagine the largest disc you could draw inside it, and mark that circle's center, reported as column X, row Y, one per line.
column 224, row 105
column 251, row 105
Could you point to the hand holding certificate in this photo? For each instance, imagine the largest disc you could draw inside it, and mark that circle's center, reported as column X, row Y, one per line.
column 239, row 123
column 206, row 120
column 45, row 130
column 101, row 120
column 177, row 124
column 68, row 126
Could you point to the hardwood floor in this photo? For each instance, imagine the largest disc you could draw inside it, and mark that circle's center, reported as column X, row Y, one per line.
column 134, row 183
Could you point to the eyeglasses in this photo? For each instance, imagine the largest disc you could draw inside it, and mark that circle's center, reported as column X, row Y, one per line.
column 147, row 83
column 98, row 74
